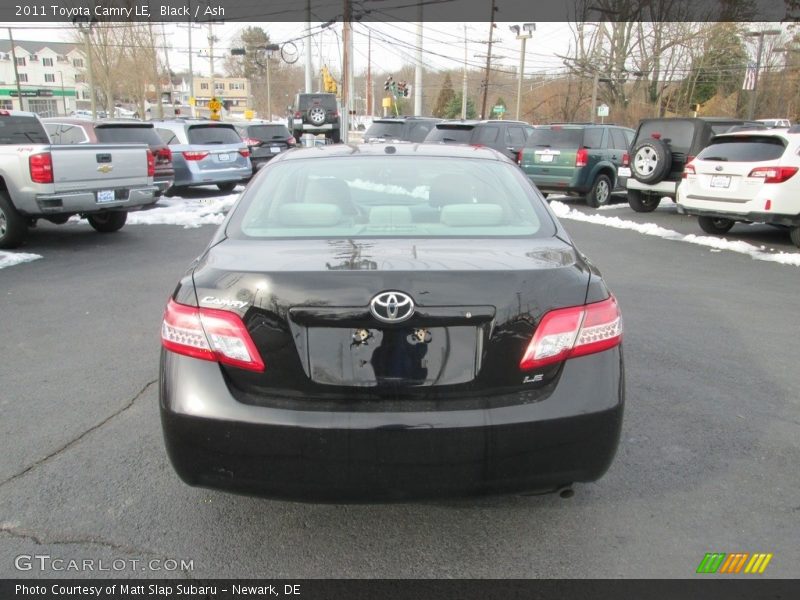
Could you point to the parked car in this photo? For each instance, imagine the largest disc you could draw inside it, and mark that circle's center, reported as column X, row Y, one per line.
column 44, row 181
column 265, row 140
column 776, row 123
column 205, row 152
column 340, row 339
column 507, row 137
column 744, row 177
column 577, row 159
column 315, row 114
column 400, row 129
column 660, row 150
column 64, row 130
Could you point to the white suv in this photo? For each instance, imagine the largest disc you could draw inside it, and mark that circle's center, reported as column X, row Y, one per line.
column 748, row 176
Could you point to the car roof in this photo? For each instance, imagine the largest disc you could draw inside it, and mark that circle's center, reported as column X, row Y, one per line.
column 403, row 118
column 474, row 122
column 778, row 133
column 393, row 149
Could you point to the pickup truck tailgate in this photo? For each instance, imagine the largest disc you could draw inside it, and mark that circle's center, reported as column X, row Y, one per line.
column 99, row 167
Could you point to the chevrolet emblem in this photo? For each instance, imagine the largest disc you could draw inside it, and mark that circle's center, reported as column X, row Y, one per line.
column 105, row 168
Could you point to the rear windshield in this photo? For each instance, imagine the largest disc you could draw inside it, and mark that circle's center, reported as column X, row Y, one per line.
column 328, row 102
column 266, row 133
column 127, row 134
column 749, row 148
column 555, row 137
column 213, row 134
column 385, row 130
column 383, row 196
column 15, row 130
column 678, row 134
column 457, row 134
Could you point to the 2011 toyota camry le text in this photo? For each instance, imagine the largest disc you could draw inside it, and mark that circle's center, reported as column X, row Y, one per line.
column 391, row 322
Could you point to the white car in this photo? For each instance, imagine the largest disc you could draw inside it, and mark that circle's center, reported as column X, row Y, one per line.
column 776, row 123
column 748, row 176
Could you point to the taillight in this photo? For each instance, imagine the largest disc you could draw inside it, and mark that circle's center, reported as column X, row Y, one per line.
column 151, row 163
column 4, row 113
column 298, row 115
column 209, row 334
column 189, row 155
column 688, row 169
column 244, row 152
column 41, row 167
column 164, row 154
column 773, row 174
column 251, row 141
column 575, row 331
column 519, row 157
column 581, row 157
column 291, row 141
column 626, row 159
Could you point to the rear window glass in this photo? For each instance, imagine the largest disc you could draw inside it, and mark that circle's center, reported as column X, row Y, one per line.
column 378, row 197
column 213, row 134
column 126, row 134
column 678, row 134
column 385, row 130
column 555, row 137
column 743, row 149
column 267, row 132
column 14, row 130
column 457, row 135
column 593, row 137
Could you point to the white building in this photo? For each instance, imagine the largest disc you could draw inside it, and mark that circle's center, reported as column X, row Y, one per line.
column 51, row 77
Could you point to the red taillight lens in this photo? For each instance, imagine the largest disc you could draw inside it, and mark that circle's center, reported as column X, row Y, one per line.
column 575, row 331
column 291, row 141
column 251, row 141
column 164, row 155
column 773, row 174
column 519, row 157
column 626, row 159
column 41, row 167
column 244, row 152
column 688, row 169
column 581, row 157
column 209, row 334
column 298, row 115
column 151, row 163
column 188, row 155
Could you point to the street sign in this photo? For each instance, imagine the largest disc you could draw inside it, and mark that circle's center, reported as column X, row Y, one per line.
column 192, row 101
column 249, row 114
column 214, row 104
column 602, row 110
column 499, row 109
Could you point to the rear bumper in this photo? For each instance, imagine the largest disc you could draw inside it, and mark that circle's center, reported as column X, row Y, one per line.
column 555, row 184
column 316, row 456
column 749, row 217
column 86, row 202
column 664, row 188
column 194, row 176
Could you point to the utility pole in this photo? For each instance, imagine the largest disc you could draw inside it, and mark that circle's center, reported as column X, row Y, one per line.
column 346, row 70
column 368, row 108
column 418, row 67
column 528, row 29
column 488, row 64
column 166, row 62
column 211, row 40
column 754, row 94
column 309, row 67
column 16, row 72
column 464, row 79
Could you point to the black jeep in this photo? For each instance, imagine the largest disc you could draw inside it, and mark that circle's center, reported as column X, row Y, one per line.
column 316, row 113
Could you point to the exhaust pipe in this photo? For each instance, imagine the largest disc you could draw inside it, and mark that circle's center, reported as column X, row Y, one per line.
column 566, row 491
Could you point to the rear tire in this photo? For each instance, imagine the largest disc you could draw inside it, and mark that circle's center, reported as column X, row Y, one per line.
column 600, row 194
column 794, row 234
column 715, row 226
column 108, row 222
column 13, row 226
column 227, row 187
column 642, row 203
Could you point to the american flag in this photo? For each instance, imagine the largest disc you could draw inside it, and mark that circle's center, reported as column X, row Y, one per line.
column 749, row 82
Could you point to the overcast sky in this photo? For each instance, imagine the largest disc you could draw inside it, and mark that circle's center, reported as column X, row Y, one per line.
column 393, row 44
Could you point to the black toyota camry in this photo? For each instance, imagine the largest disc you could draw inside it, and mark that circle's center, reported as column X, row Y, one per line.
column 391, row 322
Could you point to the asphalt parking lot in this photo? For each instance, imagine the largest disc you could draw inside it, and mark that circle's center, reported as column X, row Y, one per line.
column 707, row 462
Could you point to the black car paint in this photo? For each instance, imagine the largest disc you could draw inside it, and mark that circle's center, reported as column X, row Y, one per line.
column 471, row 428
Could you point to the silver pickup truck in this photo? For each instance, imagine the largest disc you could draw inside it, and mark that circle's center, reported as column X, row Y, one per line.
column 40, row 181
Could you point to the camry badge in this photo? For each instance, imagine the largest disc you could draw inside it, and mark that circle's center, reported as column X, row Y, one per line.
column 392, row 307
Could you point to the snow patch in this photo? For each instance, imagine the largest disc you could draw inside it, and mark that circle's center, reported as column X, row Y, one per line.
column 417, row 192
column 9, row 259
column 563, row 211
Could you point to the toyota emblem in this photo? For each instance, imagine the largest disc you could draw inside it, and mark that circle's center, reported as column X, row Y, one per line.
column 392, row 307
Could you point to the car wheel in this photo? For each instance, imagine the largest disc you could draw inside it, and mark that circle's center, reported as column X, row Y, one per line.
column 600, row 193
column 335, row 136
column 227, row 187
column 715, row 226
column 13, row 227
column 794, row 234
column 651, row 161
column 642, row 202
column 316, row 114
column 108, row 222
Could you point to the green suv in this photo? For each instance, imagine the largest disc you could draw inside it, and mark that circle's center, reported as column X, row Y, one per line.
column 577, row 159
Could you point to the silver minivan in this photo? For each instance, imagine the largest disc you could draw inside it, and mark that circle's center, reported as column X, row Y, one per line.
column 205, row 153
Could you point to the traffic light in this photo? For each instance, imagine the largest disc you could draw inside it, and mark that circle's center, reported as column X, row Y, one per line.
column 388, row 84
column 407, row 90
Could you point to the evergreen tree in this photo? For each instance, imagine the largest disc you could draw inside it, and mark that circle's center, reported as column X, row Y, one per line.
column 445, row 97
column 453, row 110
